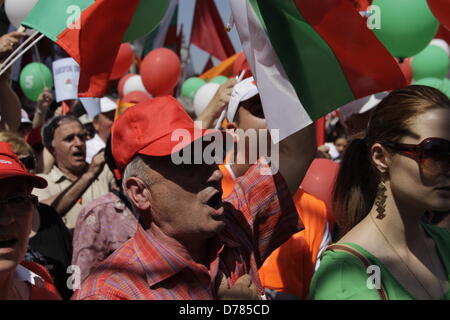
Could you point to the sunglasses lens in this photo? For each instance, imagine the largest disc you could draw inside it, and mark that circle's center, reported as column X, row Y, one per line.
column 436, row 156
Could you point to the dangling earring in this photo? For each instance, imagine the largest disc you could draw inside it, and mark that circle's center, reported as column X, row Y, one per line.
column 380, row 200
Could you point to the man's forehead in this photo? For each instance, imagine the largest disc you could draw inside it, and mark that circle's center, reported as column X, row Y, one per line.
column 67, row 128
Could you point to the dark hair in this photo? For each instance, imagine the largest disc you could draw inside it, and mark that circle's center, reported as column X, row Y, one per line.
column 357, row 180
column 252, row 105
column 48, row 130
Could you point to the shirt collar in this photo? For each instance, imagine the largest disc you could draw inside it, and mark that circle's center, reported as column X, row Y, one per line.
column 56, row 175
column 162, row 261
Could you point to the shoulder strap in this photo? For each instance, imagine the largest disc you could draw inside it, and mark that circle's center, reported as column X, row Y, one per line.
column 366, row 262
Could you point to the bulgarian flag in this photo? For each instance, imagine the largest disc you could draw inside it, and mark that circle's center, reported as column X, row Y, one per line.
column 310, row 57
column 92, row 38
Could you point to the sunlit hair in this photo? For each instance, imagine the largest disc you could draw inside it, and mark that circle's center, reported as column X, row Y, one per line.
column 357, row 180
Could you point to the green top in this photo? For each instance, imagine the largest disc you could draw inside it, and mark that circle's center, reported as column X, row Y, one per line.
column 341, row 276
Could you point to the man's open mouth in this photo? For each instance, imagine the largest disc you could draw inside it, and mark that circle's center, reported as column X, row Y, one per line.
column 78, row 154
column 215, row 201
column 8, row 243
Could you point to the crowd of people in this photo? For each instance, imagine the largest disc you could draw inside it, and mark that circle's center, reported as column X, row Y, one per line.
column 97, row 209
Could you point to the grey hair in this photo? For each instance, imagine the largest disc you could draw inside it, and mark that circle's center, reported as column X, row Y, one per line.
column 137, row 167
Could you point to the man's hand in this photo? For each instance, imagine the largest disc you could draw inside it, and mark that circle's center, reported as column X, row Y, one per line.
column 97, row 164
column 9, row 42
column 243, row 289
column 45, row 99
column 217, row 104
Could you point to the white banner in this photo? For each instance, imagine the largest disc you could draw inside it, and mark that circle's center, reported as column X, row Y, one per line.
column 66, row 73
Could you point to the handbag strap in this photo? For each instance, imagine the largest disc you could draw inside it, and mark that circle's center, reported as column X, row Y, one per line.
column 366, row 262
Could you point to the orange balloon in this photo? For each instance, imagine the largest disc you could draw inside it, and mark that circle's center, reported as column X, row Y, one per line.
column 160, row 71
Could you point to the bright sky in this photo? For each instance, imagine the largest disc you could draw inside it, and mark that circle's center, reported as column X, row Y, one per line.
column 185, row 17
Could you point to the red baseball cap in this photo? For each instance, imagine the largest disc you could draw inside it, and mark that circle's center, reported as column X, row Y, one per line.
column 10, row 166
column 147, row 128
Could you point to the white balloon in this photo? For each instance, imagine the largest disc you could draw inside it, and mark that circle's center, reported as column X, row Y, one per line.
column 134, row 83
column 441, row 44
column 203, row 96
column 17, row 10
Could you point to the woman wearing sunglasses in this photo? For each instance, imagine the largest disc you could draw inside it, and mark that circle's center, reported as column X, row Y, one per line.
column 389, row 178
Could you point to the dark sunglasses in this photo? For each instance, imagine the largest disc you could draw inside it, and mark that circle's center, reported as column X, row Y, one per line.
column 433, row 154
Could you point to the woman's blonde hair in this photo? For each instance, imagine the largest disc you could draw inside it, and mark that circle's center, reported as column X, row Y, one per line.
column 20, row 146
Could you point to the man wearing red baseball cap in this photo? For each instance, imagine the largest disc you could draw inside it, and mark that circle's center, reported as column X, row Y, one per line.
column 18, row 282
column 189, row 242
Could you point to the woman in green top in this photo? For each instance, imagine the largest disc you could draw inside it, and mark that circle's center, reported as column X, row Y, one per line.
column 388, row 179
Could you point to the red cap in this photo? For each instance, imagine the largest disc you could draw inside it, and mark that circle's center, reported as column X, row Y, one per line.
column 10, row 166
column 147, row 129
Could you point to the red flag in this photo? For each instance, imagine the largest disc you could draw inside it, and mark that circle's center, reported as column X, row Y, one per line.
column 208, row 31
column 209, row 65
column 94, row 46
column 441, row 10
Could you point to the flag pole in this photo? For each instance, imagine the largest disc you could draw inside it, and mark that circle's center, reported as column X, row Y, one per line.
column 5, row 66
column 224, row 112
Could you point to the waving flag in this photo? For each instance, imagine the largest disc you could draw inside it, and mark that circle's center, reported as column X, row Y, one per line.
column 208, row 31
column 441, row 10
column 92, row 38
column 311, row 57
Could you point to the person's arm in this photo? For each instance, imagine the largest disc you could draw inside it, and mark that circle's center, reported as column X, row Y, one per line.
column 217, row 104
column 296, row 154
column 44, row 101
column 65, row 200
column 9, row 106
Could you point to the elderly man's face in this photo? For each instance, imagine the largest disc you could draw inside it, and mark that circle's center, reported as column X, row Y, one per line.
column 69, row 147
column 103, row 124
column 186, row 199
column 15, row 222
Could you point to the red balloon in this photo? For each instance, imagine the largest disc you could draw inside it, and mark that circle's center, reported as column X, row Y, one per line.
column 407, row 70
column 122, row 82
column 160, row 71
column 136, row 97
column 123, row 62
column 320, row 179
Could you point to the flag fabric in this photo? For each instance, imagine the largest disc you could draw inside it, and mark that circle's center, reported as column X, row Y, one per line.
column 311, row 57
column 165, row 35
column 209, row 65
column 441, row 10
column 93, row 39
column 208, row 31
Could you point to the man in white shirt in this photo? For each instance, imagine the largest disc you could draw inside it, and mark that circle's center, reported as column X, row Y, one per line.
column 102, row 124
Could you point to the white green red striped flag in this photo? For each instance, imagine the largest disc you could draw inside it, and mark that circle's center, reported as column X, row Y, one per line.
column 311, row 57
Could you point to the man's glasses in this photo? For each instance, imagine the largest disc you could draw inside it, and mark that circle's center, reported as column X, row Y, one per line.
column 18, row 202
column 433, row 154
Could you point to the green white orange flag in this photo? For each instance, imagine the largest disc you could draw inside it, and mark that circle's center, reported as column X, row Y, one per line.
column 94, row 36
column 310, row 58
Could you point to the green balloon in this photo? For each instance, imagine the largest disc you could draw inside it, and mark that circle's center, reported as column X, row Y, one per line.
column 432, row 62
column 440, row 84
column 34, row 78
column 190, row 86
column 407, row 26
column 147, row 17
column 219, row 79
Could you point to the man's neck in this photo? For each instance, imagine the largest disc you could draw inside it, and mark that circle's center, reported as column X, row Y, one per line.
column 6, row 284
column 188, row 248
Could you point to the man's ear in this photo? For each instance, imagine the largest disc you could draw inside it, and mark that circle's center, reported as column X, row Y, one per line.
column 137, row 193
column 380, row 158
